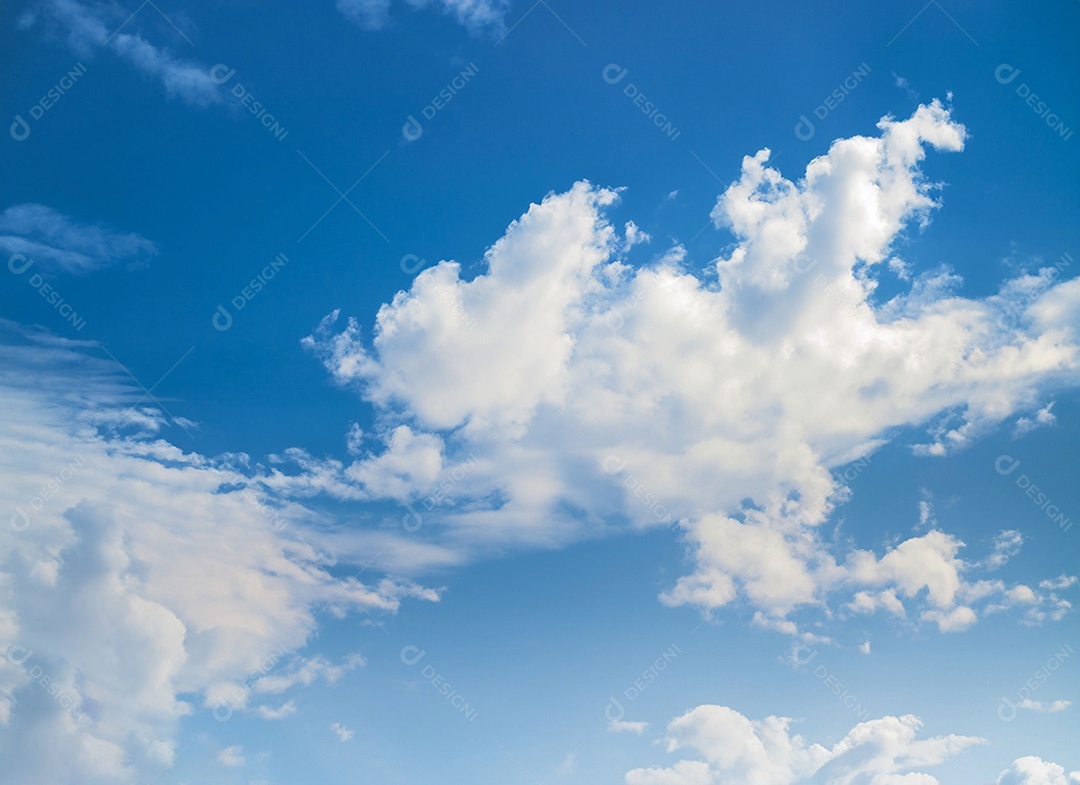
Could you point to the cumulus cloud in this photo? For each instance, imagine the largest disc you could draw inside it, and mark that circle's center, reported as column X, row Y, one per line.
column 343, row 733
column 626, row 726
column 1007, row 543
column 582, row 394
column 90, row 26
column 478, row 16
column 141, row 584
column 233, row 757
column 61, row 244
column 729, row 747
column 1043, row 417
column 1031, row 770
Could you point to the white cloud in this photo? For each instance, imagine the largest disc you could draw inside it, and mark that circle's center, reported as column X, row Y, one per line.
column 91, row 26
column 147, row 583
column 1031, row 770
column 584, row 394
column 732, row 748
column 343, row 733
column 864, row 647
column 60, row 244
column 926, row 515
column 304, row 671
column 625, row 726
column 634, row 235
column 1042, row 417
column 286, row 709
column 478, row 16
column 1007, row 543
column 1044, row 707
column 233, row 757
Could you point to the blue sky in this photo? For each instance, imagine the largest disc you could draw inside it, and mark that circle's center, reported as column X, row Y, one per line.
column 477, row 390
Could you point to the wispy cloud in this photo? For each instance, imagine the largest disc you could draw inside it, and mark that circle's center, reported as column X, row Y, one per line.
column 62, row 244
column 92, row 26
column 478, row 16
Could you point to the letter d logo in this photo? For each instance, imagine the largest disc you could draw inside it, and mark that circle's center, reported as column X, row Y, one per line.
column 614, row 711
column 1006, row 465
column 20, row 129
column 222, row 319
column 20, row 521
column 411, row 521
column 15, row 259
column 1006, row 73
column 804, row 129
column 412, row 130
column 1006, row 710
column 613, row 73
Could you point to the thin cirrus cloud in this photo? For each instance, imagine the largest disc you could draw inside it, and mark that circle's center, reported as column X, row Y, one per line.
column 92, row 26
column 727, row 747
column 562, row 392
column 61, row 244
column 477, row 16
column 146, row 583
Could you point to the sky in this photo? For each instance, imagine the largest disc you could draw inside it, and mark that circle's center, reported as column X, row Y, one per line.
column 460, row 391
